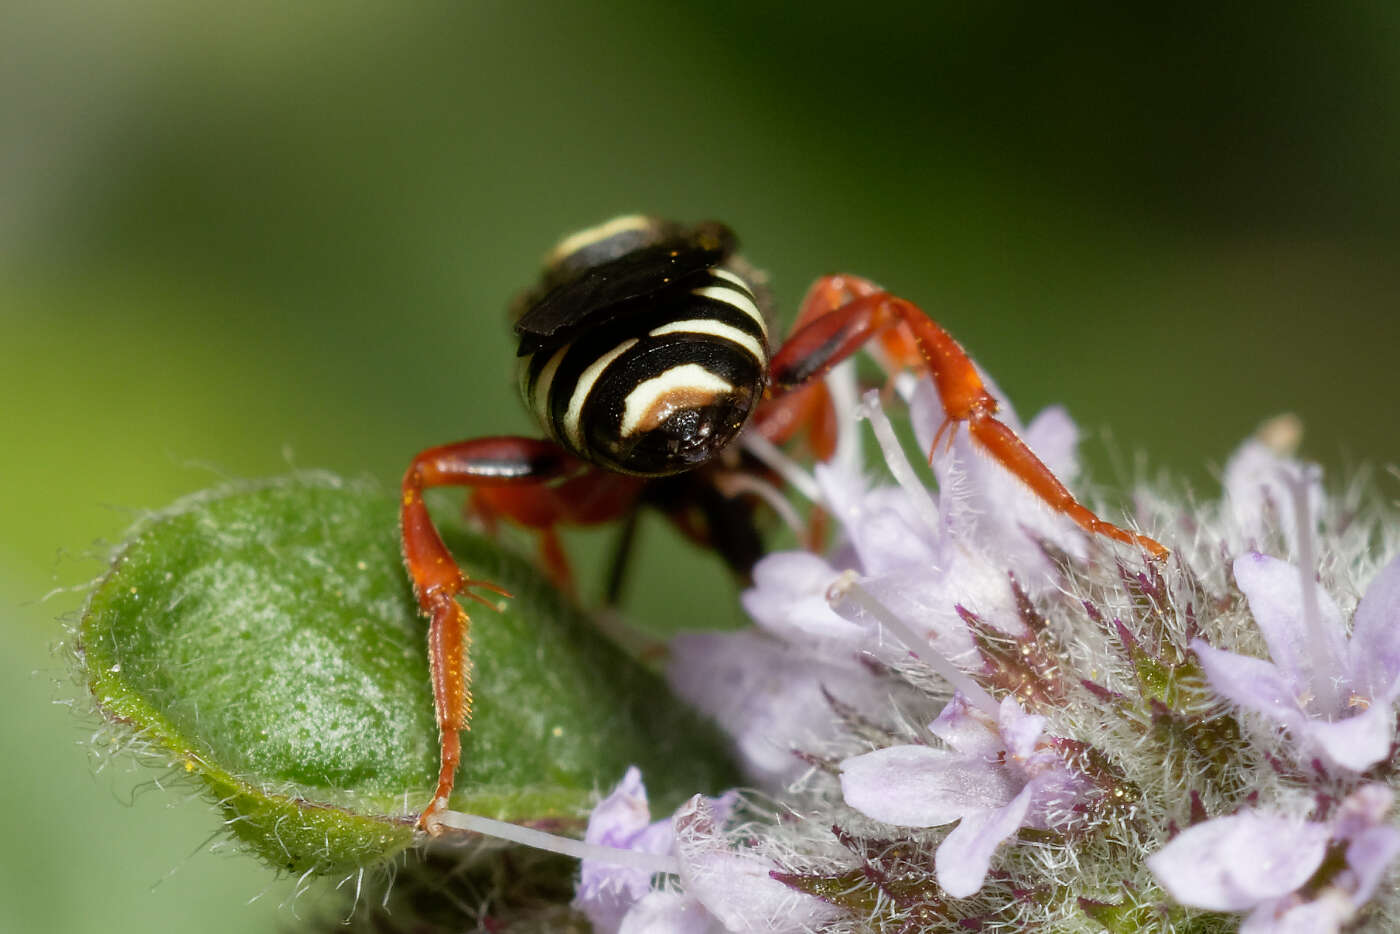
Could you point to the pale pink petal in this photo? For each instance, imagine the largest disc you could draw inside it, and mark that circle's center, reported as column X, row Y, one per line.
column 1275, row 592
column 1059, row 792
column 978, row 581
column 884, row 527
column 788, row 599
column 926, row 600
column 992, row 506
column 1258, row 497
column 769, row 696
column 1369, row 855
column 970, row 731
column 1356, row 742
column 621, row 815
column 1252, row 683
column 1054, row 437
column 963, row 858
column 980, row 503
column 737, row 887
column 916, row 786
column 605, row 891
column 893, row 536
column 1016, row 520
column 657, row 837
column 1235, row 863
column 1375, row 636
column 843, row 488
column 1372, row 842
column 668, row 913
column 1020, row 731
column 1364, row 808
column 1289, row 915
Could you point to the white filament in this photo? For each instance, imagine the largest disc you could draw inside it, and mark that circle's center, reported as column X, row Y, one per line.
column 732, row 484
column 1320, row 659
column 898, row 463
column 848, row 587
column 567, row 846
column 845, row 399
column 787, row 468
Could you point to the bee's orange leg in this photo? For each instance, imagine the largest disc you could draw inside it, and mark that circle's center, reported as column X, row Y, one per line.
column 491, row 465
column 827, row 335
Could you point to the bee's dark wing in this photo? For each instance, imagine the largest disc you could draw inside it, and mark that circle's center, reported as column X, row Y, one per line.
column 606, row 291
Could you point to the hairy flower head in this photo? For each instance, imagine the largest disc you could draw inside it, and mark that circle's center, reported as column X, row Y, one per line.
column 974, row 714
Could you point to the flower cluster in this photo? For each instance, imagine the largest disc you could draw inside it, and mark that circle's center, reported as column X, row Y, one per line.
column 971, row 714
column 720, row 888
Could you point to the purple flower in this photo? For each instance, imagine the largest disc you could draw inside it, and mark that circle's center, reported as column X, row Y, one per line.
column 606, row 892
column 921, row 555
column 668, row 912
column 1334, row 695
column 925, row 558
column 736, row 886
column 1257, row 482
column 984, row 502
column 769, row 696
column 788, row 600
column 995, row 778
column 1266, row 864
column 722, row 889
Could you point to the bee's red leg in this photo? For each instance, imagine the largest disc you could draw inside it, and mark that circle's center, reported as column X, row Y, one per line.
column 437, row 581
column 780, row 417
column 783, row 415
column 829, row 335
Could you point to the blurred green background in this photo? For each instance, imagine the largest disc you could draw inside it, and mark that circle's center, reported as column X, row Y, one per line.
column 237, row 238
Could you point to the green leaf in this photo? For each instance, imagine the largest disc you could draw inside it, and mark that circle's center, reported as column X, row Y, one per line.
column 266, row 637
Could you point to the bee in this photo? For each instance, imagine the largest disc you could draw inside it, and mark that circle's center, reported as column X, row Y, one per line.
column 645, row 354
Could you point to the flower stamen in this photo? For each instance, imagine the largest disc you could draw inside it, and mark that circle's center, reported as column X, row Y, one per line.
column 847, row 587
column 899, row 465
column 566, row 846
column 1320, row 658
column 784, row 466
